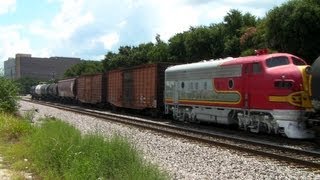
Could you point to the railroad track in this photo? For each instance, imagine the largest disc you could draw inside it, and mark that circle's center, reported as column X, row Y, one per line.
column 296, row 157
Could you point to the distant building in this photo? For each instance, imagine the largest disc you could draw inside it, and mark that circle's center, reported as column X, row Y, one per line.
column 23, row 65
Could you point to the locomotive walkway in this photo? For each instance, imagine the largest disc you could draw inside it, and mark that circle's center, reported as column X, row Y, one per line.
column 292, row 156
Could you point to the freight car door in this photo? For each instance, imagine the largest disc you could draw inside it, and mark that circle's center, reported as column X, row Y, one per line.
column 128, row 88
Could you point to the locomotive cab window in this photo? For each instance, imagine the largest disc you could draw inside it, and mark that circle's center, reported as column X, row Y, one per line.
column 298, row 62
column 277, row 61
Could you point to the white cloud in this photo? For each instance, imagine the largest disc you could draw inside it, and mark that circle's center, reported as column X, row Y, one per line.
column 122, row 24
column 174, row 17
column 71, row 17
column 109, row 40
column 11, row 41
column 7, row 6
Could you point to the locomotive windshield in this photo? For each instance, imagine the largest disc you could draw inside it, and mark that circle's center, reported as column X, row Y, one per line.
column 277, row 61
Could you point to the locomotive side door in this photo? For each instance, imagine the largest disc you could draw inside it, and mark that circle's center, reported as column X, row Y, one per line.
column 246, row 82
column 175, row 112
column 253, row 86
column 176, row 93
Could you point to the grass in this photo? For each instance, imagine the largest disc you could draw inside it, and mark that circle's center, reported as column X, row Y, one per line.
column 56, row 150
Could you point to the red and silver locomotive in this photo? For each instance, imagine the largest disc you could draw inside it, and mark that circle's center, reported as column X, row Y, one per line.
column 267, row 92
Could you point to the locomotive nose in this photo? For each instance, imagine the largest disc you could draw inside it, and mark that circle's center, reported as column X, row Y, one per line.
column 315, row 84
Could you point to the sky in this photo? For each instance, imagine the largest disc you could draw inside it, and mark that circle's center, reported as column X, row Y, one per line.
column 88, row 29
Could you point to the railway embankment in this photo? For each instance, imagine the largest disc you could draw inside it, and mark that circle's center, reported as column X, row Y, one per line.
column 181, row 158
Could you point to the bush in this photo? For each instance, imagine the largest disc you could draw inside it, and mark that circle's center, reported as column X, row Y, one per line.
column 8, row 95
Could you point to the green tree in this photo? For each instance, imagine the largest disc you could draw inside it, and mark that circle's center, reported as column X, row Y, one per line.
column 177, row 48
column 8, row 95
column 85, row 67
column 25, row 84
column 198, row 43
column 159, row 52
column 294, row 27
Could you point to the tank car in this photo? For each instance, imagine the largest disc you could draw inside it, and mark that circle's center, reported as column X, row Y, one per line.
column 44, row 91
column 37, row 91
column 53, row 91
column 32, row 91
column 263, row 93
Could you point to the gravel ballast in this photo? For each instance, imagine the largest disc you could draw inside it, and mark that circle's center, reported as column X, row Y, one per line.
column 182, row 159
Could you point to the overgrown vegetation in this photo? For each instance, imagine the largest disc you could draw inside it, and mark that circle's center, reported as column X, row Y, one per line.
column 8, row 95
column 56, row 150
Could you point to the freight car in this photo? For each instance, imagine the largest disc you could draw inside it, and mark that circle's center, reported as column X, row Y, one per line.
column 258, row 93
column 271, row 93
column 53, row 91
column 138, row 88
column 67, row 90
column 92, row 89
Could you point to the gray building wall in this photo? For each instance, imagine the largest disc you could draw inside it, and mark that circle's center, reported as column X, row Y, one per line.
column 24, row 65
column 10, row 68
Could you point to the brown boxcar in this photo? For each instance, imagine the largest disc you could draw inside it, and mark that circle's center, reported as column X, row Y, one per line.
column 140, row 87
column 66, row 88
column 92, row 89
column 115, row 88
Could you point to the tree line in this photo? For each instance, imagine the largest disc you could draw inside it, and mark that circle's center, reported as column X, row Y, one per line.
column 292, row 27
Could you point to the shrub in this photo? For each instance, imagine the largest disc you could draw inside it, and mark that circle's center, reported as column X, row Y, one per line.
column 8, row 95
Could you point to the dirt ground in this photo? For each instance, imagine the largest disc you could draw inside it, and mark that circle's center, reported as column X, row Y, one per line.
column 4, row 173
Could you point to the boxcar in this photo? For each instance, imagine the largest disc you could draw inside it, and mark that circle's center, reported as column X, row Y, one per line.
column 92, row 89
column 139, row 87
column 114, row 96
column 67, row 89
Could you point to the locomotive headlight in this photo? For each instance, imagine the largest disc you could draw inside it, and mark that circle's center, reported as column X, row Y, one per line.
column 308, row 70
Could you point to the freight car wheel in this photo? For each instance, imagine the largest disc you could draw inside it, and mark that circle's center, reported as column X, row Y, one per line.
column 114, row 108
column 154, row 113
